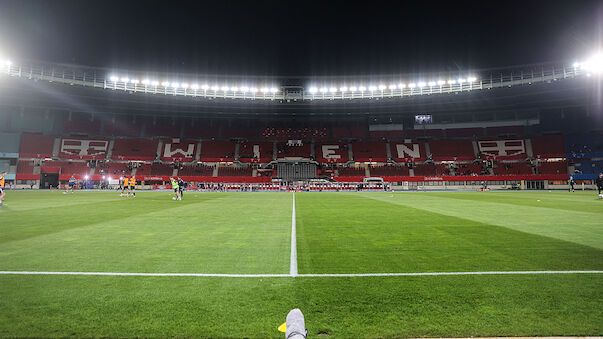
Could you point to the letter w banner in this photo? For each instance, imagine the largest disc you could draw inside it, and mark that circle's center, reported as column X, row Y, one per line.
column 84, row 148
column 179, row 151
column 502, row 148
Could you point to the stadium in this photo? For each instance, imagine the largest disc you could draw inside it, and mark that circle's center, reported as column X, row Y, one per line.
column 446, row 202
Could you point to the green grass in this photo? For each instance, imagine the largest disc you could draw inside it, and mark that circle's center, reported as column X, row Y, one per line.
column 336, row 233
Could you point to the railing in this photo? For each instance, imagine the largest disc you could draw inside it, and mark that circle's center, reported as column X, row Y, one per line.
column 99, row 78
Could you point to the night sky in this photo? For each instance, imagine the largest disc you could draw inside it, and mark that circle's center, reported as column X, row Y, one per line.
column 292, row 38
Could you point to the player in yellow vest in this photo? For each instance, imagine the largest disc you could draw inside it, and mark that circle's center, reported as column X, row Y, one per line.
column 132, row 187
column 2, row 179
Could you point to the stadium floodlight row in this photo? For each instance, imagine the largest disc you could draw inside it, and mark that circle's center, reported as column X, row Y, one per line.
column 137, row 82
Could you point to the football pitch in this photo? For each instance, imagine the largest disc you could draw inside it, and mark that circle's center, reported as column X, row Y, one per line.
column 447, row 264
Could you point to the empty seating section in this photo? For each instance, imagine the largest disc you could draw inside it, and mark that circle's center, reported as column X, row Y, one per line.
column 512, row 168
column 285, row 151
column 587, row 167
column 587, row 145
column 123, row 128
column 161, row 169
column 556, row 167
column 239, row 131
column 36, row 146
column 443, row 169
column 332, row 152
column 261, row 152
column 81, row 124
column 274, row 133
column 464, row 132
column 389, row 171
column 369, row 151
column 83, row 149
column 77, row 168
column 471, row 169
column 143, row 169
column 197, row 170
column 312, row 133
column 135, row 149
column 162, row 128
column 548, row 146
column 200, row 131
column 25, row 167
column 216, row 151
column 112, row 168
column 229, row 171
column 424, row 169
column 391, row 135
column 424, row 133
column 351, row 172
column 443, row 150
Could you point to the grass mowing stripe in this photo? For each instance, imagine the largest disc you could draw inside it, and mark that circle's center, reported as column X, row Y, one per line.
column 309, row 275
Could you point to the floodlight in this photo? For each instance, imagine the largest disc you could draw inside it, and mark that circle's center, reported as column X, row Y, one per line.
column 323, row 89
column 86, row 177
column 124, row 80
column 195, row 86
column 460, row 81
column 253, row 89
column 451, row 82
column 145, row 81
column 155, row 83
column 175, row 85
column 205, row 87
column 273, row 89
column 382, row 87
column 264, row 89
column 215, row 88
column 362, row 88
column 113, row 78
column 412, row 85
column 234, row 88
column 109, row 178
column 594, row 64
column 224, row 88
column 421, row 84
column 313, row 90
column 441, row 82
column 185, row 85
column 401, row 85
column 353, row 88
column 332, row 89
column 431, row 83
column 392, row 87
column 343, row 89
column 372, row 88
column 244, row 89
column 8, row 63
column 576, row 64
column 471, row 79
column 135, row 81
column 165, row 84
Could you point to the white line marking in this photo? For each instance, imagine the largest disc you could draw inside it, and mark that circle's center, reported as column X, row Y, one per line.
column 293, row 262
column 327, row 275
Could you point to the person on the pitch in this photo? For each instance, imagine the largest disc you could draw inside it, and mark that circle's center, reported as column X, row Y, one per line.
column 571, row 183
column 132, row 187
column 181, row 186
column 72, row 182
column 124, row 186
column 176, row 189
column 2, row 180
column 599, row 182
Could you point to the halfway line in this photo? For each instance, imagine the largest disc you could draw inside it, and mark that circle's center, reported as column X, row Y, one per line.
column 326, row 275
column 293, row 262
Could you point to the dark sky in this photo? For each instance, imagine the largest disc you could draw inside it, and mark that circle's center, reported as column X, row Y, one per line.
column 299, row 37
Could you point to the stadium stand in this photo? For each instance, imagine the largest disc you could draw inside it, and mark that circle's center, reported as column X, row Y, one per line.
column 121, row 127
column 66, row 167
column 217, row 151
column 369, row 151
column 471, row 169
column 142, row 169
column 135, row 149
column 443, row 169
column 351, row 172
column 200, row 131
column 589, row 167
column 285, row 151
column 196, row 170
column 512, row 168
column 261, row 152
column 36, row 146
column 424, row 169
column 548, row 146
column 81, row 124
column 161, row 169
column 332, row 152
column 445, row 150
column 112, row 168
column 162, row 128
column 230, row 171
column 389, row 171
column 83, row 148
column 239, row 131
column 25, row 167
column 274, row 133
column 555, row 167
column 584, row 145
column 414, row 151
column 178, row 150
column 312, row 133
